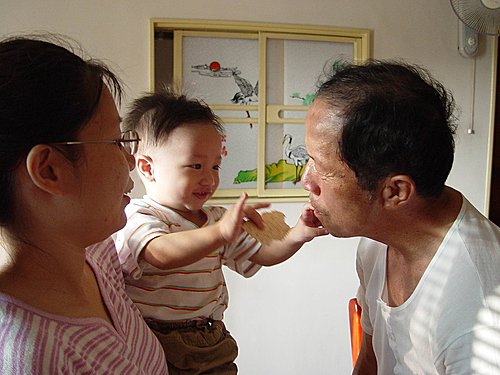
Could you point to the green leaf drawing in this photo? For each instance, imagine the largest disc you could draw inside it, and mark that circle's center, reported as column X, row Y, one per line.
column 275, row 172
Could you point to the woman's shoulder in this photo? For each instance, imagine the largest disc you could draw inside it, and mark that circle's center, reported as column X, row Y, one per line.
column 103, row 254
column 103, row 258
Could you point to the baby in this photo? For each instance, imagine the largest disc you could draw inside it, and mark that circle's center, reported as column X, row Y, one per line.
column 173, row 246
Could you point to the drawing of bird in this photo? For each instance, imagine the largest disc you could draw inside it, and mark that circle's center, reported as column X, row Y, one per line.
column 247, row 93
column 298, row 155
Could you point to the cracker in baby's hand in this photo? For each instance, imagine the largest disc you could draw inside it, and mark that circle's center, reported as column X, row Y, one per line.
column 276, row 228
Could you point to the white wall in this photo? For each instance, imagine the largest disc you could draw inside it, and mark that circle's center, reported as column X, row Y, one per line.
column 292, row 318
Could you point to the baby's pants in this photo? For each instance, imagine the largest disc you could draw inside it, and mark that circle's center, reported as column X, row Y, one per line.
column 205, row 348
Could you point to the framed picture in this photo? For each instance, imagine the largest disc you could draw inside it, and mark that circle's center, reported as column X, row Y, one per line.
column 259, row 79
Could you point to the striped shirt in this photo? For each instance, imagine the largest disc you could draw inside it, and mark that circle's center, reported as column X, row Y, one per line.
column 36, row 342
column 194, row 291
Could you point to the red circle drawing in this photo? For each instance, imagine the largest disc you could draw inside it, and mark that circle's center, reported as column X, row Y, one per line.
column 214, row 66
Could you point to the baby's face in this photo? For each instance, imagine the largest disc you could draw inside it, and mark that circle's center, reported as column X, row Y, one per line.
column 186, row 167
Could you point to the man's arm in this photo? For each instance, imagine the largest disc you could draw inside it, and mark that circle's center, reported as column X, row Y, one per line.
column 367, row 362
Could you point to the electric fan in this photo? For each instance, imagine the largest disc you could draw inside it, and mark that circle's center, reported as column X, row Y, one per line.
column 483, row 16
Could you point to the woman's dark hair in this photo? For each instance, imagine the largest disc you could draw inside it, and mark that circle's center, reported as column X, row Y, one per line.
column 47, row 94
column 397, row 119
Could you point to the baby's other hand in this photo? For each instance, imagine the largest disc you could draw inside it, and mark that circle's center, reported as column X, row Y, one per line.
column 309, row 218
column 308, row 225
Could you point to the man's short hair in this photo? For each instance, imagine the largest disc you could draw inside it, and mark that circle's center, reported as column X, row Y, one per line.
column 397, row 119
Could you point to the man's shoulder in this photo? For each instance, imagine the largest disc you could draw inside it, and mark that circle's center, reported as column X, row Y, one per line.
column 369, row 253
column 481, row 240
column 481, row 225
column 368, row 246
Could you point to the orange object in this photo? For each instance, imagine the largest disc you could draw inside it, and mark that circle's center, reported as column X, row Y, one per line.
column 355, row 328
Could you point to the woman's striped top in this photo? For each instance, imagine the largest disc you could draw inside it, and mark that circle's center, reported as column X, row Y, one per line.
column 36, row 342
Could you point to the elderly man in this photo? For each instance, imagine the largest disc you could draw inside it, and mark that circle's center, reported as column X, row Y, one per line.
column 380, row 141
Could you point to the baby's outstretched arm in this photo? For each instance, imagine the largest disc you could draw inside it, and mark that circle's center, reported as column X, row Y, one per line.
column 179, row 249
column 308, row 226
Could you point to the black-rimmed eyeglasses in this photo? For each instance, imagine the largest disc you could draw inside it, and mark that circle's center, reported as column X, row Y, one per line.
column 129, row 141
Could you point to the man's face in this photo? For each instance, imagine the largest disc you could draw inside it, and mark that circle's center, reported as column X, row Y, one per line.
column 339, row 203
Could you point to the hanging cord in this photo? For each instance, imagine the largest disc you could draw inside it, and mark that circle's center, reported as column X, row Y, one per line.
column 470, row 130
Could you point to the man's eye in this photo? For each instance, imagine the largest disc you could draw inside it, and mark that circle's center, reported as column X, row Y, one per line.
column 196, row 166
column 217, row 167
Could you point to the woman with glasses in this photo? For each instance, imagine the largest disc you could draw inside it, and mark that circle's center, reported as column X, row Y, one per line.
column 64, row 180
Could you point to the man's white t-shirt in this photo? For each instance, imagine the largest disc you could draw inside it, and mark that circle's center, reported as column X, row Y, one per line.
column 451, row 322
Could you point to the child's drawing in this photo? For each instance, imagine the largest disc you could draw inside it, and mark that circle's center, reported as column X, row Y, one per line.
column 297, row 155
column 247, row 93
column 308, row 98
column 213, row 69
column 290, row 168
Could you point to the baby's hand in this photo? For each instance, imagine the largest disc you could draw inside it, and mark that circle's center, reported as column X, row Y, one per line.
column 309, row 218
column 308, row 226
column 230, row 225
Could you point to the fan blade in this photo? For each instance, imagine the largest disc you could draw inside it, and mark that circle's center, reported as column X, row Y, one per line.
column 482, row 16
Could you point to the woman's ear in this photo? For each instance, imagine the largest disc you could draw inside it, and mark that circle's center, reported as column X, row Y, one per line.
column 398, row 190
column 145, row 167
column 47, row 168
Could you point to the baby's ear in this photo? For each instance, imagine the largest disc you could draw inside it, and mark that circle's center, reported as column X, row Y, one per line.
column 145, row 167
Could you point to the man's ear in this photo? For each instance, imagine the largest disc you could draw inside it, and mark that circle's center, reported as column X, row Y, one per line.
column 397, row 190
column 47, row 168
column 145, row 167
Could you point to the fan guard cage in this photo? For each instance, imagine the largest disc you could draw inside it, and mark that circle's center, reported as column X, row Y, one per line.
column 482, row 16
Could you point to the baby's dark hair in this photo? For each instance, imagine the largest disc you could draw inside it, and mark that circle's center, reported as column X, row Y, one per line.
column 154, row 116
